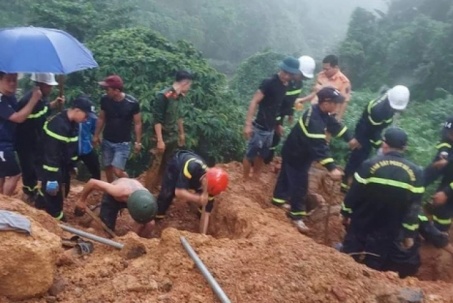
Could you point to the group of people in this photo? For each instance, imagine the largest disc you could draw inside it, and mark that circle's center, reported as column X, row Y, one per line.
column 49, row 145
column 382, row 209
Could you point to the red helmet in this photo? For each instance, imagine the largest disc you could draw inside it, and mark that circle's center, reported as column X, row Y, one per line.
column 217, row 181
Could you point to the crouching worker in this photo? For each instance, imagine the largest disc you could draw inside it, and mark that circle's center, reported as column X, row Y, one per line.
column 122, row 193
column 186, row 171
column 381, row 210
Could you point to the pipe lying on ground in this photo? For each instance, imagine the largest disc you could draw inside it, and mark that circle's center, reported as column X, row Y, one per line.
column 91, row 236
column 205, row 272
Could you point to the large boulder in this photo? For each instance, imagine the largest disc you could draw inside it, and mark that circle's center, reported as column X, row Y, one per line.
column 46, row 221
column 28, row 262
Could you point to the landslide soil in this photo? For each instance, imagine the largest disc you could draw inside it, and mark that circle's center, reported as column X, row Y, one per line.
column 252, row 250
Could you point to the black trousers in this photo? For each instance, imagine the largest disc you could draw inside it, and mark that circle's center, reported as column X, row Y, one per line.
column 29, row 162
column 54, row 204
column 292, row 184
column 385, row 252
column 168, row 186
column 91, row 161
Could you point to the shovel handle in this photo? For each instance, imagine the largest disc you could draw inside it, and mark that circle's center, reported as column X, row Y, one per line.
column 98, row 220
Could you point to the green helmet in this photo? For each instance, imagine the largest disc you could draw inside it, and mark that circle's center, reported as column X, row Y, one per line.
column 142, row 206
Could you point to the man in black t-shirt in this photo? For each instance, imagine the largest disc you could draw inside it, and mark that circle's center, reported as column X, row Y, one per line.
column 118, row 110
column 269, row 98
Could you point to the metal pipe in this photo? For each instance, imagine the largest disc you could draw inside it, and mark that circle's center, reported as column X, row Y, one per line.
column 91, row 236
column 205, row 272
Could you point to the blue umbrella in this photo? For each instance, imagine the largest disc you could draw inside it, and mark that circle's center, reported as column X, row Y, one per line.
column 42, row 50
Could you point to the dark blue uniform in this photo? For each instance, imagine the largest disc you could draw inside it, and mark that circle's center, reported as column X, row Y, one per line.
column 306, row 143
column 384, row 203
column 60, row 144
column 8, row 163
column 376, row 117
column 183, row 171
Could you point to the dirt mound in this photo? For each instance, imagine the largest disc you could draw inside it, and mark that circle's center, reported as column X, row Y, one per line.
column 27, row 264
column 252, row 250
column 47, row 222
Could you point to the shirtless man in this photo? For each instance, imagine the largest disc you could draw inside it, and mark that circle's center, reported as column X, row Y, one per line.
column 122, row 193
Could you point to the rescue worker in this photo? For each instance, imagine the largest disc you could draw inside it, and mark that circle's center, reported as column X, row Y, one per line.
column 29, row 133
column 168, row 126
column 60, row 141
column 307, row 143
column 442, row 164
column 260, row 132
column 331, row 75
column 87, row 154
column 442, row 207
column 10, row 116
column 377, row 115
column 306, row 67
column 187, row 172
column 122, row 193
column 381, row 209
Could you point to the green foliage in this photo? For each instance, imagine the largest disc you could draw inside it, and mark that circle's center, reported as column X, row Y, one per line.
column 409, row 45
column 147, row 62
column 422, row 121
column 252, row 71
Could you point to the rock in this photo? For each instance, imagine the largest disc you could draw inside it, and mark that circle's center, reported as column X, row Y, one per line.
column 166, row 285
column 133, row 246
column 340, row 294
column 50, row 299
column 58, row 286
column 28, row 262
column 46, row 221
column 410, row 295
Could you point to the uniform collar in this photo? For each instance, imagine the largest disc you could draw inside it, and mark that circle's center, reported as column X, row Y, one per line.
column 395, row 153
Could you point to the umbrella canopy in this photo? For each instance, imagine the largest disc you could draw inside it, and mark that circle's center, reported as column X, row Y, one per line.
column 42, row 50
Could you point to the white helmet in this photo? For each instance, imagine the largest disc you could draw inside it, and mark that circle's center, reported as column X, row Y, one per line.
column 307, row 66
column 398, row 97
column 46, row 78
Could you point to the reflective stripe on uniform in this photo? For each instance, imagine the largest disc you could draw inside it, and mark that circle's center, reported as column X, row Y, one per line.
column 325, row 161
column 423, row 218
column 370, row 106
column 74, row 158
column 186, row 169
column 342, row 131
column 378, row 142
column 309, row 135
column 410, row 226
column 442, row 221
column 38, row 114
column 60, row 216
column 439, row 146
column 399, row 184
column 298, row 213
column 278, row 201
column 50, row 168
column 59, row 137
column 346, row 209
column 294, row 92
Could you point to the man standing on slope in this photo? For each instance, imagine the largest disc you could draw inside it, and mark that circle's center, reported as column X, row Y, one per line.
column 268, row 98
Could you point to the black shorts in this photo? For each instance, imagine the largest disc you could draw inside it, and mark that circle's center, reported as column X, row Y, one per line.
column 9, row 166
column 110, row 209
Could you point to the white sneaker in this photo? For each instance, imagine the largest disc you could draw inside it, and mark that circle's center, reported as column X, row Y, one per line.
column 300, row 225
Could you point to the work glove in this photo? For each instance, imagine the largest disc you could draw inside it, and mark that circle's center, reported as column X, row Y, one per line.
column 52, row 187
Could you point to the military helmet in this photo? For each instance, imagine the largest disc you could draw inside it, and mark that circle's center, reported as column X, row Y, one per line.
column 142, row 206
